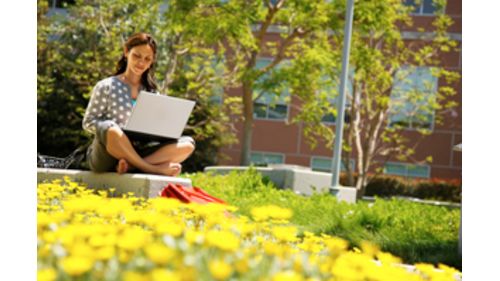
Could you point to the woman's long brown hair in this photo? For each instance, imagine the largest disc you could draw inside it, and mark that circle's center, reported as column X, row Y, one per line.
column 147, row 78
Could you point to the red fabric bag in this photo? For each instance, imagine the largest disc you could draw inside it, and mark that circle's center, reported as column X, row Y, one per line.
column 189, row 194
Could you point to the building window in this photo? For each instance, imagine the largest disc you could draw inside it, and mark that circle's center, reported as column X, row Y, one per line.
column 264, row 158
column 212, row 69
column 413, row 98
column 421, row 7
column 324, row 164
column 264, row 108
column 269, row 105
column 218, row 87
column 407, row 170
column 332, row 89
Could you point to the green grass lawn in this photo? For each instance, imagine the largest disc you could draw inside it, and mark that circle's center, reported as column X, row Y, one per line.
column 412, row 231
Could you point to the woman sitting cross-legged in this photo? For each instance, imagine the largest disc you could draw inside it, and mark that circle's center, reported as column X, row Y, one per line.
column 109, row 108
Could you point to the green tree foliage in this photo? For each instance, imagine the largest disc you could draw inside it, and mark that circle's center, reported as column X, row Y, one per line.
column 305, row 62
column 389, row 89
column 80, row 46
column 301, row 55
column 209, row 45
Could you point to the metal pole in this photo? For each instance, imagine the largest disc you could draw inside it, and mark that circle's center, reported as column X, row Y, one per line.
column 339, row 123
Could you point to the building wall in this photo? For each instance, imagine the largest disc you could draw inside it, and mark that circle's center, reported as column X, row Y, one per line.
column 276, row 136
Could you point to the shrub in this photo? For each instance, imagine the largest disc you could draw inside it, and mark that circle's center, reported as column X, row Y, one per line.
column 439, row 189
column 74, row 52
column 430, row 189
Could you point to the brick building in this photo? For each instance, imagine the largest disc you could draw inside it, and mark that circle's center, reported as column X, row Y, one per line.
column 276, row 141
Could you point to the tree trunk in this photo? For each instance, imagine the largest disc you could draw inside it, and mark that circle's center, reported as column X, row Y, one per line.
column 358, row 142
column 247, row 123
column 361, row 184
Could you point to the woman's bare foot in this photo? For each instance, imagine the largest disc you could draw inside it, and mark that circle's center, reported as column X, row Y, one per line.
column 170, row 169
column 122, row 166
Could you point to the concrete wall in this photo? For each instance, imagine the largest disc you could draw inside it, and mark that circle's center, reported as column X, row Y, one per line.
column 143, row 185
column 301, row 180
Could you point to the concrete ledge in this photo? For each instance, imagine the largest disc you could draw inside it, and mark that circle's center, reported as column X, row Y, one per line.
column 344, row 193
column 277, row 177
column 143, row 185
column 301, row 180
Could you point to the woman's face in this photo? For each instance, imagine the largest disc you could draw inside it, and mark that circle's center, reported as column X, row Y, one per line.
column 139, row 59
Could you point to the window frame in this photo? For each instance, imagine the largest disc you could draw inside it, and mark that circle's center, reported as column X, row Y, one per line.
column 407, row 166
column 267, row 105
column 262, row 153
column 419, row 10
column 342, row 167
column 334, row 101
column 411, row 127
column 218, row 97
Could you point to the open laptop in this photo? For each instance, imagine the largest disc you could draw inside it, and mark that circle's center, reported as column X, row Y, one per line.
column 158, row 117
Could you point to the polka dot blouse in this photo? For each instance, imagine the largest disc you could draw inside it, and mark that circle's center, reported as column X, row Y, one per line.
column 110, row 100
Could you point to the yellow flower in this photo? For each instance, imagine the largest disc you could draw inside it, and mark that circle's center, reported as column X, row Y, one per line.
column 58, row 217
column 83, row 204
column 390, row 273
column 352, row 266
column 223, row 240
column 102, row 193
column 73, row 221
column 47, row 274
column 448, row 269
column 104, row 253
column 75, row 265
column 66, row 235
column 308, row 234
column 443, row 273
column 42, row 219
column 336, row 245
column 97, row 240
column 206, row 210
column 193, row 236
column 164, row 275
column 270, row 212
column 245, row 228
column 311, row 244
column 169, row 228
column 369, row 249
column 81, row 249
column 113, row 207
column 219, row 269
column 271, row 248
column 135, row 276
column 124, row 256
column 241, row 266
column 44, row 251
column 159, row 253
column 110, row 239
column 162, row 204
column 188, row 273
column 49, row 237
column 298, row 264
column 287, row 276
column 285, row 233
column 133, row 216
column 387, row 258
column 133, row 239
